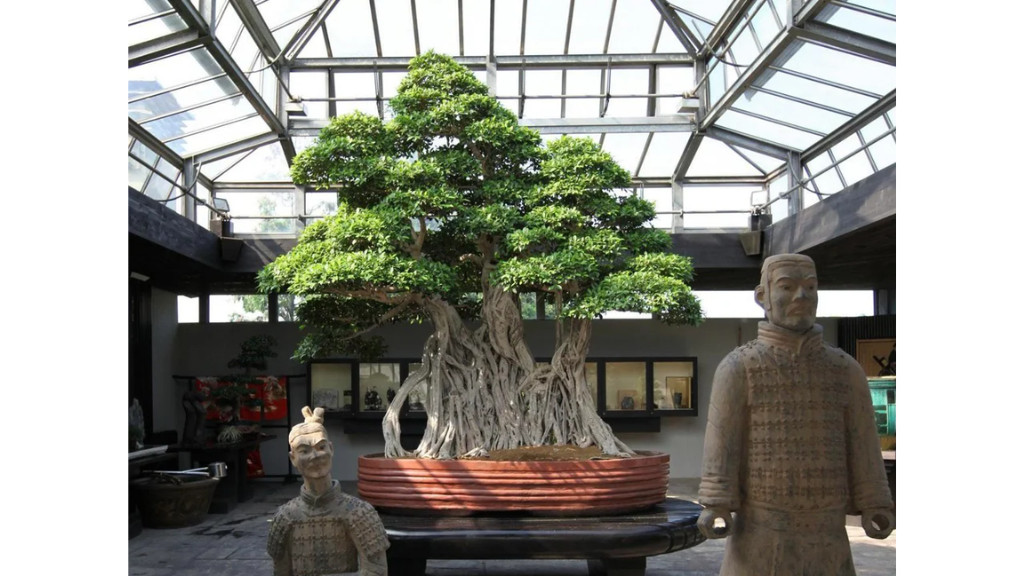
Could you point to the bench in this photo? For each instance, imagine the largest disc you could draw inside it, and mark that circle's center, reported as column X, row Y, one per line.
column 612, row 545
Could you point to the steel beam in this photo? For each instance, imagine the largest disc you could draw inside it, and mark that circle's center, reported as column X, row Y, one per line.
column 157, row 48
column 681, row 123
column 805, row 11
column 305, row 34
column 752, row 74
column 727, row 23
column 529, row 62
column 847, row 41
column 687, row 38
column 253, row 21
column 744, row 141
column 852, row 125
column 689, row 153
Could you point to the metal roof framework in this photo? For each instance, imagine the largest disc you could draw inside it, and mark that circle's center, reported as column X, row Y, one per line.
column 716, row 108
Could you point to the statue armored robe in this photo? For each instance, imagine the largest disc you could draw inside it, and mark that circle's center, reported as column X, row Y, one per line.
column 791, row 446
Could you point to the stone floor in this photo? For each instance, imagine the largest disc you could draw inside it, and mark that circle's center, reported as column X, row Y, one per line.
column 234, row 544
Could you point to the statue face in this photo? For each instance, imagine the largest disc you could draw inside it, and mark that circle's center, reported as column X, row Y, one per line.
column 791, row 297
column 311, row 454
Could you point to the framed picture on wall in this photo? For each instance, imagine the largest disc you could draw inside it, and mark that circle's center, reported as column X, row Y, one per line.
column 877, row 356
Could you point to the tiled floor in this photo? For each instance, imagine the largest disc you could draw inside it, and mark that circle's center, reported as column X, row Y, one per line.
column 234, row 544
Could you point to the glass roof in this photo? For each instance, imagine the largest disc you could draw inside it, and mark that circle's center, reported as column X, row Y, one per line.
column 705, row 100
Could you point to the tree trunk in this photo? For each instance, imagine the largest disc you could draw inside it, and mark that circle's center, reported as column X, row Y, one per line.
column 485, row 392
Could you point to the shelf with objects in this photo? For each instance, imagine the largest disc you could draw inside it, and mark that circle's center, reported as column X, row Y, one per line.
column 632, row 394
column 227, row 419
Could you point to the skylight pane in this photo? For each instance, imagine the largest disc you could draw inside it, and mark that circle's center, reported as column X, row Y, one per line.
column 667, row 41
column 862, row 23
column 626, row 107
column 589, row 27
column 137, row 174
column 308, row 85
column 769, row 131
column 157, row 28
column 810, row 117
column 316, row 47
column 710, row 9
column 223, row 135
column 285, row 17
column 476, row 25
column 663, row 154
column 394, row 17
column 628, row 83
column 765, row 24
column 229, row 29
column 264, row 164
column 856, row 168
column 662, row 199
column 626, row 148
column 714, row 158
column 636, row 22
column 350, row 29
column 321, row 203
column 438, row 24
column 841, row 67
column 884, row 150
column 744, row 50
column 827, row 182
column 717, row 198
column 284, row 34
column 546, row 24
column 142, row 8
column 508, row 83
column 544, row 82
column 673, row 80
column 508, row 18
column 583, row 107
column 818, row 92
column 542, row 108
column 761, row 162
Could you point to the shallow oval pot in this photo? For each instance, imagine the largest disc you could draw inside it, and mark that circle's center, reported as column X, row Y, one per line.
column 554, row 488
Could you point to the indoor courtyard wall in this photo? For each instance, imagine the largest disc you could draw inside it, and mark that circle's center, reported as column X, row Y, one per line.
column 205, row 349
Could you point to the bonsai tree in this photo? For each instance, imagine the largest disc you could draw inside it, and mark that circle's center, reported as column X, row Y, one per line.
column 448, row 213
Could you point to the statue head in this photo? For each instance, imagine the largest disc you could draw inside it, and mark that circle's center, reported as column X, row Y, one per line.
column 311, row 451
column 788, row 291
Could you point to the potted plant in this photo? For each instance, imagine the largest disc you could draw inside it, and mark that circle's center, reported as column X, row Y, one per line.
column 448, row 213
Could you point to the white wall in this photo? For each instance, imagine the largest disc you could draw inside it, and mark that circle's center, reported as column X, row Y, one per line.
column 205, row 350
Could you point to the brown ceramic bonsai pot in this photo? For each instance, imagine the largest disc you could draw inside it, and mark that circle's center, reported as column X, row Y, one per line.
column 555, row 488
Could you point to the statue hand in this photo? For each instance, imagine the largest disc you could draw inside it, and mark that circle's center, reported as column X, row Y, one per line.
column 878, row 523
column 715, row 523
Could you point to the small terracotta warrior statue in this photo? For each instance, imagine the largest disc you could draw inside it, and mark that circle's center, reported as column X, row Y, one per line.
column 323, row 530
column 791, row 446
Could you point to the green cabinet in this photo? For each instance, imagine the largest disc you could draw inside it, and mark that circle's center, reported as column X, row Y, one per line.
column 883, row 399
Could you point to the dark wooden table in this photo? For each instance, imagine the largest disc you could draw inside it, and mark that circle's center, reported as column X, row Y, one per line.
column 612, row 545
column 234, row 487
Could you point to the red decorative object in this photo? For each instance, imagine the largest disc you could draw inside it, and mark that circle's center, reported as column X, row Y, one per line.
column 254, row 464
column 272, row 391
column 553, row 488
column 275, row 397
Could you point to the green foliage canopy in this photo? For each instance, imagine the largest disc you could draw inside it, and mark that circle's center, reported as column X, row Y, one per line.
column 451, row 197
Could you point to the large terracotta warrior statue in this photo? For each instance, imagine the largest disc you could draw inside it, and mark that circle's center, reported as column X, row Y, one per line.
column 791, row 446
column 323, row 530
